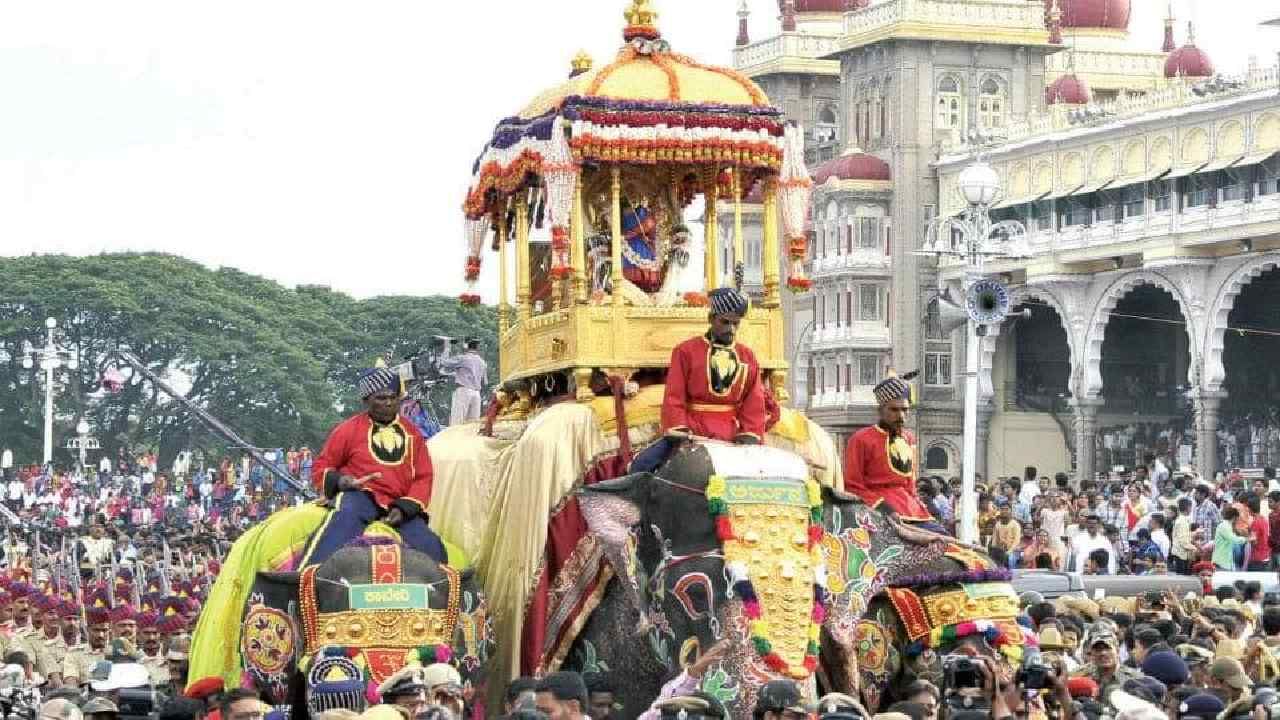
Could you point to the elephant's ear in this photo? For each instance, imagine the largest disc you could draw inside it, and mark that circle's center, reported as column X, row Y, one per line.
column 612, row 507
column 279, row 578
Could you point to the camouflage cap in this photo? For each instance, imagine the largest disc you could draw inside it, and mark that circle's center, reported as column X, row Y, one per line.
column 60, row 709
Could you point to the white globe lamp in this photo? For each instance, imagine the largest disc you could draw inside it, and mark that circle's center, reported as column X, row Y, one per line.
column 979, row 183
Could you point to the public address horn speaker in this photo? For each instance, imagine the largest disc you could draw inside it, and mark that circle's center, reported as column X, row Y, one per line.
column 951, row 316
column 987, row 302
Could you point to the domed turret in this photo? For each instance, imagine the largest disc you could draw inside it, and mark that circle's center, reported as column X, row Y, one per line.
column 1188, row 61
column 853, row 164
column 1069, row 89
column 1093, row 14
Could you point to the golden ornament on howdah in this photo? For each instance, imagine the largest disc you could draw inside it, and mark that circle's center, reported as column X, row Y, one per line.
column 589, row 186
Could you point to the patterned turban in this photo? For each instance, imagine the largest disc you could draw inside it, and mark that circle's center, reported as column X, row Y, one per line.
column 729, row 301
column 376, row 380
column 894, row 388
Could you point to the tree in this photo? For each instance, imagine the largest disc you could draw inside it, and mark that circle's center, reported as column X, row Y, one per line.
column 276, row 364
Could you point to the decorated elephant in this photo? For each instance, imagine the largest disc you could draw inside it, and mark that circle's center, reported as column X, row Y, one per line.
column 373, row 607
column 737, row 543
column 900, row 599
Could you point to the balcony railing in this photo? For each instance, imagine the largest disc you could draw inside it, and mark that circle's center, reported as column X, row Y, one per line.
column 1180, row 95
column 786, row 45
column 862, row 259
column 863, row 335
column 1009, row 15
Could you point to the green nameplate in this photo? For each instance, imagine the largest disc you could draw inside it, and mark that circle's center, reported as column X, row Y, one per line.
column 758, row 491
column 388, row 597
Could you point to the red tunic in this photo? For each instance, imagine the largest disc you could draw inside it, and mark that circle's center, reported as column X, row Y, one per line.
column 357, row 448
column 714, row 391
column 879, row 469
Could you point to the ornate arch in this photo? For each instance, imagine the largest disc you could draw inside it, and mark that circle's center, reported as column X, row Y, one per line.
column 1215, row 370
column 953, row 452
column 1092, row 351
column 1022, row 294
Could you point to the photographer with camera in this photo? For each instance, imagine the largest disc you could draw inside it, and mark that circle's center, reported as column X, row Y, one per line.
column 469, row 371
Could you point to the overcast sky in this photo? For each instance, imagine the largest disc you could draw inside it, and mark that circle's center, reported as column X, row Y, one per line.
column 323, row 142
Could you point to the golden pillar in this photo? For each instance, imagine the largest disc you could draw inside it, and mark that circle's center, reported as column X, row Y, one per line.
column 579, row 286
column 739, row 257
column 615, row 222
column 771, row 253
column 711, row 194
column 503, row 300
column 524, row 306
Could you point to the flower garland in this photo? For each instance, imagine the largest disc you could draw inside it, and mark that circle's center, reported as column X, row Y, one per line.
column 1010, row 645
column 794, row 189
column 740, row 581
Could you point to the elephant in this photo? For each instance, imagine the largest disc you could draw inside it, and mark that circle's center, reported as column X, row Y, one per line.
column 822, row 571
column 376, row 602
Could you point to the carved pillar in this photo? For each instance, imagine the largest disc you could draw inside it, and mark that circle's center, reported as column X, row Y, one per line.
column 578, row 284
column 711, row 225
column 504, row 309
column 615, row 222
column 985, row 411
column 1086, row 421
column 771, row 252
column 524, row 305
column 1208, row 405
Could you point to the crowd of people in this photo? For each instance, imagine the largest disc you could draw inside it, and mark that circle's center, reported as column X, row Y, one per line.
column 1155, row 521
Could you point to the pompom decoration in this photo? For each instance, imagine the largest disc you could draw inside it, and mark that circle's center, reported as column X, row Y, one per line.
column 444, row 653
column 371, row 693
column 740, row 584
column 794, row 189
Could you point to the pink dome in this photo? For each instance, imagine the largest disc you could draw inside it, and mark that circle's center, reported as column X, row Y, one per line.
column 1067, row 90
column 826, row 6
column 1099, row 14
column 853, row 165
column 1188, row 61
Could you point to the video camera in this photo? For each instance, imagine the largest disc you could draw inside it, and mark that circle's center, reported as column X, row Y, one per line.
column 1263, row 697
column 137, row 704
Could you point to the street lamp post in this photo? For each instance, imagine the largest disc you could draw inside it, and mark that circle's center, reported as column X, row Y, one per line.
column 50, row 357
column 971, row 238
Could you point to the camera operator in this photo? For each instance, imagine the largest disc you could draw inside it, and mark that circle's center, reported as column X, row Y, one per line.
column 469, row 371
column 19, row 688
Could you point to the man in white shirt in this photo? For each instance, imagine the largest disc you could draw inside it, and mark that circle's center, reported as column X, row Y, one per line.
column 1030, row 487
column 1089, row 540
column 1158, row 535
column 16, row 488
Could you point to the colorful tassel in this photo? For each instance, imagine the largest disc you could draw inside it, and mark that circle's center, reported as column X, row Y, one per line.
column 762, row 646
column 724, row 528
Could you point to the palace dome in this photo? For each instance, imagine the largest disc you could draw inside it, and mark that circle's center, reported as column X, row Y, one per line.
column 825, row 6
column 1067, row 90
column 853, row 165
column 1093, row 14
column 1188, row 61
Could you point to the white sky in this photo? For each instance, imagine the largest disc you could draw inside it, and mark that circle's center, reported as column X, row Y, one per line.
column 324, row 142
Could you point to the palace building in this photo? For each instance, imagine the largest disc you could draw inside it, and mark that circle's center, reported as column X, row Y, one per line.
column 1149, row 188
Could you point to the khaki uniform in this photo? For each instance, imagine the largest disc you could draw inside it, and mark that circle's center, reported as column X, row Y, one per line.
column 1118, row 679
column 55, row 651
column 79, row 663
column 24, row 640
column 158, row 667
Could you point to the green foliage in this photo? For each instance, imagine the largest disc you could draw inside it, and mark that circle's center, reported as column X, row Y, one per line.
column 278, row 365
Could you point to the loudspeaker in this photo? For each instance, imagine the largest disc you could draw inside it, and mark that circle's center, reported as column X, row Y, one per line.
column 987, row 302
column 951, row 315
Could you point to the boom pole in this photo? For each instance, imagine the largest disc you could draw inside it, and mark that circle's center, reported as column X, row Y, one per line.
column 214, row 424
